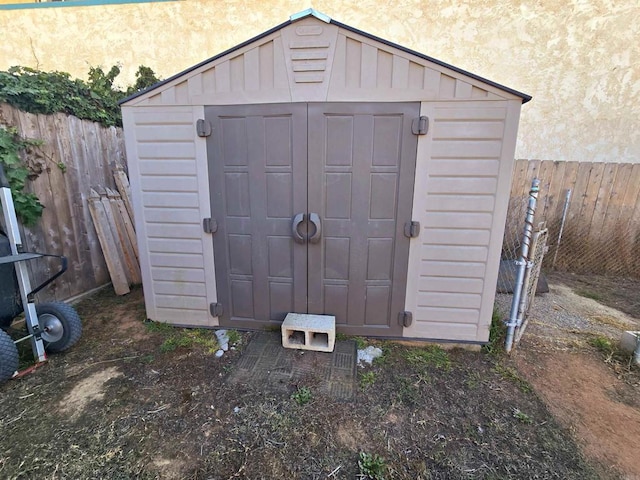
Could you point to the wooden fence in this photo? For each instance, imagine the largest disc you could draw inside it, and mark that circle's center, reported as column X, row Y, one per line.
column 75, row 156
column 602, row 226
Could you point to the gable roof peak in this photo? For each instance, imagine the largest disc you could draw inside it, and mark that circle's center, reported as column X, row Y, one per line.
column 310, row 12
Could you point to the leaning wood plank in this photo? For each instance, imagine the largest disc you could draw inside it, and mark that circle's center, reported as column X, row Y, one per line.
column 122, row 184
column 113, row 226
column 120, row 233
column 128, row 223
column 108, row 244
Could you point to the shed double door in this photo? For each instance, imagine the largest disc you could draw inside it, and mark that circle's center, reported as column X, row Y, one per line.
column 311, row 201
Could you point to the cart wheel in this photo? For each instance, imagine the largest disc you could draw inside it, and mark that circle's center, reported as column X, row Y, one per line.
column 8, row 357
column 60, row 325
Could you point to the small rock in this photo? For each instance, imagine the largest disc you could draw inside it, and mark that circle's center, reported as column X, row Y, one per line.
column 223, row 339
column 219, row 353
column 368, row 355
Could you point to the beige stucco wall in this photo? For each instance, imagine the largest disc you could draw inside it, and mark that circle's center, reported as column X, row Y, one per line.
column 578, row 58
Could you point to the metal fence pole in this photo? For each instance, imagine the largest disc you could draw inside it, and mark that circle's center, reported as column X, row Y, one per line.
column 567, row 199
column 523, row 263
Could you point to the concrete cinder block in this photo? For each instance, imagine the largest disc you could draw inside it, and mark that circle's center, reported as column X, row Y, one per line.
column 309, row 332
column 630, row 342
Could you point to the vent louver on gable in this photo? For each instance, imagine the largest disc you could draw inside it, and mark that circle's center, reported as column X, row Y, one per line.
column 309, row 53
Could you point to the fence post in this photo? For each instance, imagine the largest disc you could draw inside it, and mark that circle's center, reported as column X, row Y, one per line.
column 567, row 199
column 523, row 263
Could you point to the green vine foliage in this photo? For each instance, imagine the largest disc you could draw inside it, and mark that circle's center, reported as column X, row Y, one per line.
column 35, row 91
column 28, row 207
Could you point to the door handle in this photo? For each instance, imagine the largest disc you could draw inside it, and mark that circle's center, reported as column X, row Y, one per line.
column 297, row 220
column 315, row 219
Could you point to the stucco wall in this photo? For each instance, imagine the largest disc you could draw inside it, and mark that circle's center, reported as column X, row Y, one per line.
column 578, row 58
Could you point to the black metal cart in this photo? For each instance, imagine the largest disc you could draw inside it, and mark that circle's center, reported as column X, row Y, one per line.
column 51, row 327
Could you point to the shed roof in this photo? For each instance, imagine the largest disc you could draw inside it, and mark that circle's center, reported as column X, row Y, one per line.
column 151, row 91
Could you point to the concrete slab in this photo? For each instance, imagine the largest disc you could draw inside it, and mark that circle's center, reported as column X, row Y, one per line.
column 266, row 365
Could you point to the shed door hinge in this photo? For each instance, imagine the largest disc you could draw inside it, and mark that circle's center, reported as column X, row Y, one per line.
column 412, row 229
column 420, row 126
column 203, row 128
column 405, row 319
column 209, row 225
column 216, row 309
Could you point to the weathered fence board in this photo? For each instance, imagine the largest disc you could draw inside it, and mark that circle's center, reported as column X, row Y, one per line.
column 74, row 156
column 602, row 228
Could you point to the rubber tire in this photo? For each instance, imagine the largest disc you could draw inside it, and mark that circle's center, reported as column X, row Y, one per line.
column 8, row 357
column 71, row 325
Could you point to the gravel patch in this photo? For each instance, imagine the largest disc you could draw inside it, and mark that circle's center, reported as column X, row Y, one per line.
column 563, row 319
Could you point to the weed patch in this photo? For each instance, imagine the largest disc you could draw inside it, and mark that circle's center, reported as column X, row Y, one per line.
column 616, row 358
column 302, row 396
column 521, row 416
column 183, row 337
column 367, row 379
column 602, row 344
column 234, row 337
column 159, row 327
column 473, row 380
column 497, row 335
column 408, row 392
column 372, row 466
column 512, row 375
column 432, row 356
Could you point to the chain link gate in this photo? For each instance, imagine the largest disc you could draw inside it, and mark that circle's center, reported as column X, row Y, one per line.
column 536, row 254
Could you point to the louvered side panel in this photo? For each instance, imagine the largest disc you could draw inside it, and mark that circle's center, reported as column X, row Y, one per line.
column 462, row 164
column 167, row 163
column 366, row 70
column 256, row 73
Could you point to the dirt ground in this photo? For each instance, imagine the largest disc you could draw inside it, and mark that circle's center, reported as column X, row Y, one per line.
column 593, row 392
column 136, row 400
column 140, row 400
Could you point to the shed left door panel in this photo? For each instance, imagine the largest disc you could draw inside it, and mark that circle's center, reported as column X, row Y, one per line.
column 258, row 177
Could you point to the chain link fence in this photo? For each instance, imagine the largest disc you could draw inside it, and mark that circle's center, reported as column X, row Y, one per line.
column 573, row 248
column 595, row 229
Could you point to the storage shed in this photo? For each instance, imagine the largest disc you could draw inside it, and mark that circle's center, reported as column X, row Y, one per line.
column 318, row 169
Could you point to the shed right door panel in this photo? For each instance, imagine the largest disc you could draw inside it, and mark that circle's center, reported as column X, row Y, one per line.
column 361, row 175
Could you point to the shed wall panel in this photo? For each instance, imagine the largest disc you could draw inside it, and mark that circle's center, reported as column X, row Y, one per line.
column 167, row 162
column 461, row 173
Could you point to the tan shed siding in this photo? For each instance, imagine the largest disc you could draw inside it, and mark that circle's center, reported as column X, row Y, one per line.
column 366, row 70
column 459, row 170
column 507, row 161
column 254, row 74
column 168, row 164
column 311, row 61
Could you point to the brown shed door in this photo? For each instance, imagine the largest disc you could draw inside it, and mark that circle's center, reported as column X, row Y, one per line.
column 349, row 168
